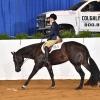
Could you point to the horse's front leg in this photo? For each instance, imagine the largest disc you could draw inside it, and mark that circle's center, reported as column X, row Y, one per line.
column 34, row 71
column 49, row 67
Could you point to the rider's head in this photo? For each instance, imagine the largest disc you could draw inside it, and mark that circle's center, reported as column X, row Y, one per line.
column 52, row 18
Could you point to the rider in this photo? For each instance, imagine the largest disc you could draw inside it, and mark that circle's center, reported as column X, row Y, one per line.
column 53, row 37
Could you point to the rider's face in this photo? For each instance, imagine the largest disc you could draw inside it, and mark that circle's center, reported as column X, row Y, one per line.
column 51, row 21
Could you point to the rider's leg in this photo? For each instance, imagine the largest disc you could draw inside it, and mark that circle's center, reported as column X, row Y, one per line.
column 46, row 53
column 47, row 45
column 50, row 43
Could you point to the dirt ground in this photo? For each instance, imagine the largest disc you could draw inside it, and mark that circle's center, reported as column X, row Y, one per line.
column 39, row 90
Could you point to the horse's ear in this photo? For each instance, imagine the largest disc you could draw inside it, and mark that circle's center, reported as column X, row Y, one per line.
column 12, row 53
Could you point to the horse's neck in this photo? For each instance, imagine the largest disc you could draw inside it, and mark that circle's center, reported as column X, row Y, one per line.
column 30, row 51
column 26, row 53
column 28, row 56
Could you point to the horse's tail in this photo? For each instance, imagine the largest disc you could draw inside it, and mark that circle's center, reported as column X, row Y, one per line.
column 95, row 73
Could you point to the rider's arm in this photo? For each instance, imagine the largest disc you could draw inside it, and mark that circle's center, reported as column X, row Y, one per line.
column 54, row 31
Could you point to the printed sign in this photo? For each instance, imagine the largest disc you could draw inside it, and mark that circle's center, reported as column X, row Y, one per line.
column 91, row 21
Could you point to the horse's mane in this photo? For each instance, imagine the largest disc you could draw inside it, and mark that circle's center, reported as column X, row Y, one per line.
column 29, row 48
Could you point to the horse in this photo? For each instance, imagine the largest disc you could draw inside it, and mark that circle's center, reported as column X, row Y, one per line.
column 72, row 51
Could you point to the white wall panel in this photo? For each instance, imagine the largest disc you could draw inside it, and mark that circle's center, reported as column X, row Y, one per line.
column 62, row 71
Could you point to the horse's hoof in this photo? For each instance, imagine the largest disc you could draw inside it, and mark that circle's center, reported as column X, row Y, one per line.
column 53, row 87
column 86, row 84
column 24, row 87
column 78, row 88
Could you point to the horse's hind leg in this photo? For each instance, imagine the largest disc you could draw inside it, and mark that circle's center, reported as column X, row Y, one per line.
column 87, row 66
column 81, row 73
column 49, row 68
column 34, row 71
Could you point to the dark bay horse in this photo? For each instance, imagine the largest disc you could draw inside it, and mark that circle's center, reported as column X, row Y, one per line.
column 71, row 51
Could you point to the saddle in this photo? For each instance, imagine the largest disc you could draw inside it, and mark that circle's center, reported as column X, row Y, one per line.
column 53, row 48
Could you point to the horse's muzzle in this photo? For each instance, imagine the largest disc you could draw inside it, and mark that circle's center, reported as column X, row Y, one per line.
column 18, row 70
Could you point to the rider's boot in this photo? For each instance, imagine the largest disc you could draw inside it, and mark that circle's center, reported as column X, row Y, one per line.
column 46, row 54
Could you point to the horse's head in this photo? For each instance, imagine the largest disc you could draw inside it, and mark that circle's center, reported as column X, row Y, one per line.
column 18, row 61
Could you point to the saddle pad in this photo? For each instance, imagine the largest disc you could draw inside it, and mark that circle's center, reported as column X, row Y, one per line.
column 54, row 47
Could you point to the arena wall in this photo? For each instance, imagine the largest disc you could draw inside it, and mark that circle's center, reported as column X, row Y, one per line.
column 62, row 71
